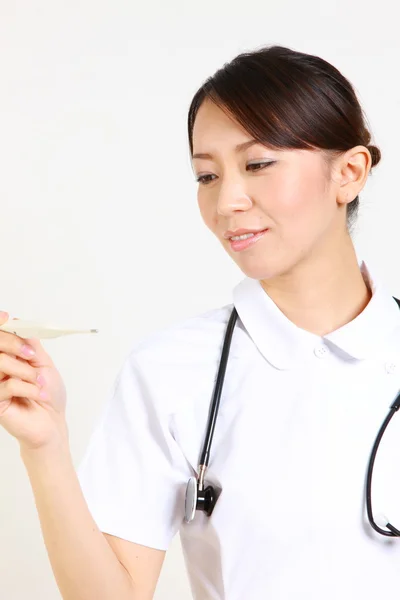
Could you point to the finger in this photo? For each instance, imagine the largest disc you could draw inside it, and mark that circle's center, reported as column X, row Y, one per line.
column 13, row 344
column 4, row 376
column 41, row 357
column 14, row 367
column 15, row 388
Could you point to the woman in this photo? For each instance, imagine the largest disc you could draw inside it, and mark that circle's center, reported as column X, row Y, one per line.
column 278, row 145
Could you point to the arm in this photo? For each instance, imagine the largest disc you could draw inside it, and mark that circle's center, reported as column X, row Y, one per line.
column 86, row 564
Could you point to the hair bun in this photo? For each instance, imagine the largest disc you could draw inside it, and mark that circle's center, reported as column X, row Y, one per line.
column 375, row 154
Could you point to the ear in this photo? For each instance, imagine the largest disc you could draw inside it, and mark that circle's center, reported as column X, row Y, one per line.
column 352, row 171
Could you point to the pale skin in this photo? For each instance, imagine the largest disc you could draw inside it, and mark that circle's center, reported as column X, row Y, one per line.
column 306, row 262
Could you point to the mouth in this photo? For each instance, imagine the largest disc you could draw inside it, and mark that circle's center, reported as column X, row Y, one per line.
column 246, row 240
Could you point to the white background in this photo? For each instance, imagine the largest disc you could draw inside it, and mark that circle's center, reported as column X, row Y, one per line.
column 99, row 224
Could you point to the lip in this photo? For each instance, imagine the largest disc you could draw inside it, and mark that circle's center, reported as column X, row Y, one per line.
column 239, row 245
column 228, row 234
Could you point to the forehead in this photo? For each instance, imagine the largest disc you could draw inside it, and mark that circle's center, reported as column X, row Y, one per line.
column 211, row 120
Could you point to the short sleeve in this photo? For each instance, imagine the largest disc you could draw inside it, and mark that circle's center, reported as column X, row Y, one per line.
column 133, row 474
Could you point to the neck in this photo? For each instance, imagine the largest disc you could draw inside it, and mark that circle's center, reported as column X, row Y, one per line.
column 321, row 295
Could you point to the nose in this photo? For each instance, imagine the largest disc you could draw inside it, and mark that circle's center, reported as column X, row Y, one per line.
column 232, row 196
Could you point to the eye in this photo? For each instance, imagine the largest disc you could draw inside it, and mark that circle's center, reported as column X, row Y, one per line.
column 261, row 164
column 202, row 178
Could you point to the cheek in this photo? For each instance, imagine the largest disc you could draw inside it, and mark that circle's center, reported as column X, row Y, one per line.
column 299, row 201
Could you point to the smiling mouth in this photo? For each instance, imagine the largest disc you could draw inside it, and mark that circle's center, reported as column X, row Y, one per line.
column 242, row 244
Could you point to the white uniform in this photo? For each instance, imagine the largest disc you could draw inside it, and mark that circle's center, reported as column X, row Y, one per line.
column 298, row 417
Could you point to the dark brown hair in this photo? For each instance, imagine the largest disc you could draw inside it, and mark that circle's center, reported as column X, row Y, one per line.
column 287, row 100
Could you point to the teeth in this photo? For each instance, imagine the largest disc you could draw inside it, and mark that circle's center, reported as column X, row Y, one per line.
column 242, row 237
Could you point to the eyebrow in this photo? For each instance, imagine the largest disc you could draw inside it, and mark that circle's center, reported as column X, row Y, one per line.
column 238, row 148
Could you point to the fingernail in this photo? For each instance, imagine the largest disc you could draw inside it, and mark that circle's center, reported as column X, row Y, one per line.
column 27, row 351
column 40, row 380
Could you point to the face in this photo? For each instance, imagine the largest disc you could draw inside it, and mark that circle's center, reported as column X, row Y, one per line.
column 287, row 191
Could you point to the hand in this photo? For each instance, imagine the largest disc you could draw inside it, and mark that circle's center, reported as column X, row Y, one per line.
column 34, row 421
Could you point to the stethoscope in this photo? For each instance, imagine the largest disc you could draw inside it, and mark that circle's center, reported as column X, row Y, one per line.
column 199, row 498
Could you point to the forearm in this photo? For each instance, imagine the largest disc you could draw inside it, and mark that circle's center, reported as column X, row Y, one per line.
column 84, row 564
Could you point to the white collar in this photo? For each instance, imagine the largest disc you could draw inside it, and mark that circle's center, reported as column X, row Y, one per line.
column 282, row 342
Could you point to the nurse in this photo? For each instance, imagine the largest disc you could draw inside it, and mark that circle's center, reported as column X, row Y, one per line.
column 280, row 152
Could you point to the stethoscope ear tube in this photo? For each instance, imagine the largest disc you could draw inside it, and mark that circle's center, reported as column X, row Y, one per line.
column 198, row 498
column 213, row 412
column 393, row 531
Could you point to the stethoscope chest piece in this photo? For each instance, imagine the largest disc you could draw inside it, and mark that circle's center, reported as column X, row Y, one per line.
column 196, row 499
column 191, row 499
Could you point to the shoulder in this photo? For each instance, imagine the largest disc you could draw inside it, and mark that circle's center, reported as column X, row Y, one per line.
column 178, row 362
column 185, row 339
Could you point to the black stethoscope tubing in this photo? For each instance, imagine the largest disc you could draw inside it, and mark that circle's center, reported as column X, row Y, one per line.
column 198, row 498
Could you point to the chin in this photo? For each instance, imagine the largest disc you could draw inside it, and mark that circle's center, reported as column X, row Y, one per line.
column 255, row 265
column 258, row 269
